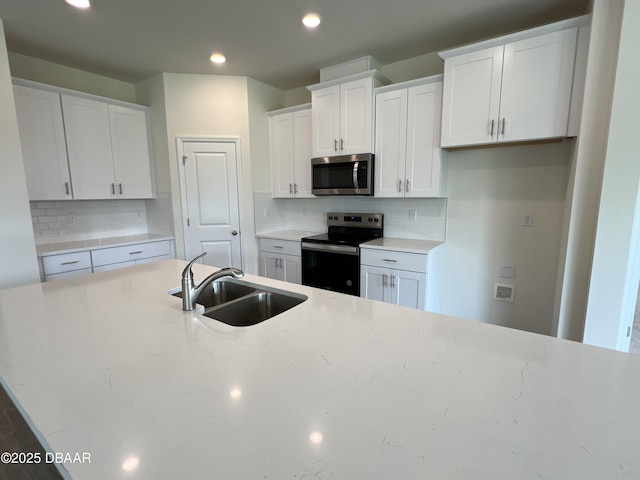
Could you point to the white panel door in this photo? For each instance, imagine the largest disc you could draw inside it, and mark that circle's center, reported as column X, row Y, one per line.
column 302, row 153
column 89, row 145
column 356, row 105
column 291, row 268
column 43, row 144
column 270, row 266
column 471, row 97
column 391, row 143
column 131, row 160
column 374, row 283
column 423, row 141
column 408, row 288
column 325, row 121
column 536, row 86
column 210, row 173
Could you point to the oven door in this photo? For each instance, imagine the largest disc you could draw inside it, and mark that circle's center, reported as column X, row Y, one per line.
column 331, row 267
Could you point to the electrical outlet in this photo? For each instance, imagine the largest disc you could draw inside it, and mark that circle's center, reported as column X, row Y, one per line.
column 413, row 215
column 527, row 221
column 504, row 293
column 71, row 218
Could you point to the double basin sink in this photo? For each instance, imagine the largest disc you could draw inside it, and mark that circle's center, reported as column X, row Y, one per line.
column 242, row 304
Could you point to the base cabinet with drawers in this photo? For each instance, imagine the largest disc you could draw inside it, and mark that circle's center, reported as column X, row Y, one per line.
column 66, row 265
column 403, row 278
column 280, row 260
column 127, row 256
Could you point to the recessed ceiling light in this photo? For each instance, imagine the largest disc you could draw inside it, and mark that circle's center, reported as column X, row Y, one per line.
column 311, row 20
column 79, row 3
column 217, row 58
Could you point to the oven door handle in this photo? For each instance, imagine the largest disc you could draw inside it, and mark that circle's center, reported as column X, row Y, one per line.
column 355, row 174
column 320, row 247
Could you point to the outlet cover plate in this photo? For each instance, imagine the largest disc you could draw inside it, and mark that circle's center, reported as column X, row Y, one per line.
column 503, row 292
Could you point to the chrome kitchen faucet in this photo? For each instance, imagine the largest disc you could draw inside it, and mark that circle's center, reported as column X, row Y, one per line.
column 190, row 292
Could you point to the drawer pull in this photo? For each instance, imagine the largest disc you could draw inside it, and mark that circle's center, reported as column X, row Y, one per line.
column 390, row 260
column 70, row 263
column 278, row 246
column 135, row 253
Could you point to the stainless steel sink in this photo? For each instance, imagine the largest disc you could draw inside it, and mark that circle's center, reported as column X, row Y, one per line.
column 221, row 291
column 242, row 304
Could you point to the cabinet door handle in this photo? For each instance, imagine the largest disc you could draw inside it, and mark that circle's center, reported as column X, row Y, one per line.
column 399, row 185
column 295, row 188
column 136, row 252
column 113, row 189
column 503, row 122
column 492, row 124
column 406, row 189
column 120, row 188
column 290, row 188
column 66, row 187
column 393, row 281
column 335, row 144
column 70, row 263
column 282, row 263
column 384, row 279
column 342, row 144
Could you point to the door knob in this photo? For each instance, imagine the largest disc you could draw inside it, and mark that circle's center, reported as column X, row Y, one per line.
column 234, row 232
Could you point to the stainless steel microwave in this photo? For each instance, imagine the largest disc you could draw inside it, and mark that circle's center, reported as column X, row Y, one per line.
column 342, row 175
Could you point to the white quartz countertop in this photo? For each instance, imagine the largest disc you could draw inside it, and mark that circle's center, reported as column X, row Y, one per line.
column 79, row 245
column 338, row 387
column 402, row 245
column 295, row 235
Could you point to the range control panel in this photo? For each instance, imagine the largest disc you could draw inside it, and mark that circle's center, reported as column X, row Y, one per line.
column 356, row 220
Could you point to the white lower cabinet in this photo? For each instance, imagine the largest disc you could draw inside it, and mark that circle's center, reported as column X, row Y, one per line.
column 127, row 256
column 67, row 265
column 394, row 277
column 280, row 260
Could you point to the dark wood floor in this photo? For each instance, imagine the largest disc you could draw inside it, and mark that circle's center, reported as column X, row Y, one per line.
column 16, row 436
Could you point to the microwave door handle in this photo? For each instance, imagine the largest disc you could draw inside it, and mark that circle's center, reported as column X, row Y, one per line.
column 355, row 174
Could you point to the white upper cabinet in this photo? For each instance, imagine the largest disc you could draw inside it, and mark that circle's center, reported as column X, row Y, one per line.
column 131, row 158
column 511, row 89
column 89, row 144
column 44, row 148
column 108, row 149
column 342, row 114
column 290, row 141
column 407, row 139
column 77, row 146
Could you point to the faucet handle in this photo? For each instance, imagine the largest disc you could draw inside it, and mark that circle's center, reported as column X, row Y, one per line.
column 187, row 273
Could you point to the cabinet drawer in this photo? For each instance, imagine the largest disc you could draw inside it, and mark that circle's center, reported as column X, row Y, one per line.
column 414, row 262
column 66, row 262
column 286, row 247
column 60, row 276
column 107, row 256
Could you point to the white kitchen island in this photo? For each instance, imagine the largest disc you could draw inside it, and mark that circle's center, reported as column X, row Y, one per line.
column 338, row 387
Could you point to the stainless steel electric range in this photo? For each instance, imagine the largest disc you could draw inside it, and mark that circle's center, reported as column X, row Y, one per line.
column 332, row 260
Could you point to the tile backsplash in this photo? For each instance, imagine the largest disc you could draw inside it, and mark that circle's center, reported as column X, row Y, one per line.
column 310, row 214
column 87, row 219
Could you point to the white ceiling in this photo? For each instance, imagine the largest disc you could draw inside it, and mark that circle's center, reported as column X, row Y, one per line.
column 132, row 40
